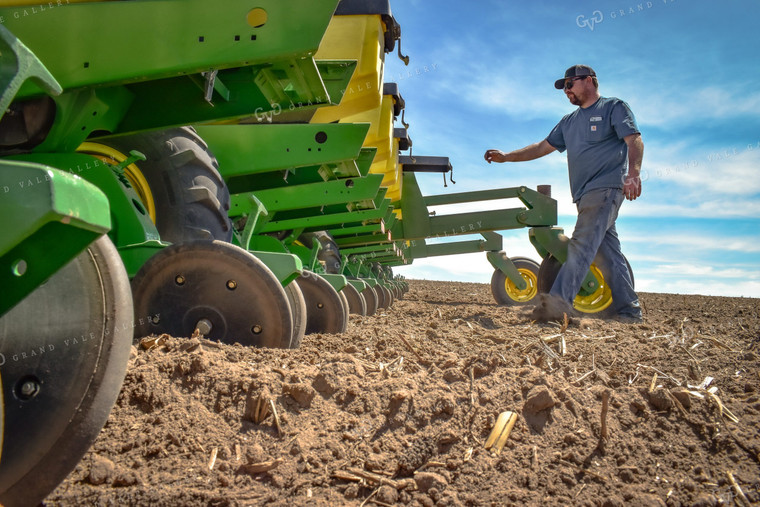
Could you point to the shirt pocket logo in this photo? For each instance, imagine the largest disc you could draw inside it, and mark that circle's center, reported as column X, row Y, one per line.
column 595, row 133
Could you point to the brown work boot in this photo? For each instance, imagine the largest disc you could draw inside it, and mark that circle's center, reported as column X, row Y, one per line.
column 552, row 308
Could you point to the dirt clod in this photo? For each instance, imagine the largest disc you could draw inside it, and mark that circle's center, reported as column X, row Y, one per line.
column 101, row 470
column 302, row 393
column 538, row 399
column 428, row 480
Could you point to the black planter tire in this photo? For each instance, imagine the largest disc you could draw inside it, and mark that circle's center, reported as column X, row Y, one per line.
column 504, row 290
column 180, row 179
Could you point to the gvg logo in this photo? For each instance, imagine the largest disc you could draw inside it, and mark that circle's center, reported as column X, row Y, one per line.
column 583, row 21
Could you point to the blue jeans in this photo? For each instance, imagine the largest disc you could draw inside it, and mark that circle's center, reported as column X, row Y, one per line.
column 595, row 240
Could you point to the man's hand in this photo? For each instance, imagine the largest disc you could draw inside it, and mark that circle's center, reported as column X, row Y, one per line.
column 531, row 152
column 632, row 187
column 495, row 156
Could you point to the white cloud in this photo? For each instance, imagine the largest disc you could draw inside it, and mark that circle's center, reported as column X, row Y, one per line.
column 463, row 268
column 722, row 208
column 731, row 170
column 696, row 242
column 703, row 286
column 674, row 104
column 700, row 270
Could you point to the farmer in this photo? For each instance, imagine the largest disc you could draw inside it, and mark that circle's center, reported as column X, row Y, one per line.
column 604, row 153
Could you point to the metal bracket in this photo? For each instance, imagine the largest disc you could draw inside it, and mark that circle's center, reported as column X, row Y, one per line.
column 118, row 169
column 403, row 58
column 214, row 84
column 19, row 63
column 500, row 261
column 258, row 213
column 209, row 88
column 134, row 156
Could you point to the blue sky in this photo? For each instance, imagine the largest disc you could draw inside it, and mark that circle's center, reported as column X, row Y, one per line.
column 481, row 76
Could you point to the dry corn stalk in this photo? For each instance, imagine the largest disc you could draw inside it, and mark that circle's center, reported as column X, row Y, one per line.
column 501, row 430
column 257, row 468
column 258, row 410
column 654, row 383
column 737, row 489
column 152, row 342
column 277, row 424
column 212, row 460
column 725, row 412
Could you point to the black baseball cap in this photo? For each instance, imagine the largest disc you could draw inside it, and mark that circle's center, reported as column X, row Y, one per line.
column 574, row 71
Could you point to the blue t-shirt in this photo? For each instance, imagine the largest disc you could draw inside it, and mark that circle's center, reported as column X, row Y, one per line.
column 597, row 156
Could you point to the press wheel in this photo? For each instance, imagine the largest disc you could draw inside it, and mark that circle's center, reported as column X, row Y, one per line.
column 382, row 299
column 370, row 298
column 218, row 287
column 325, row 312
column 298, row 311
column 599, row 302
column 356, row 303
column 505, row 292
column 64, row 352
column 344, row 303
column 387, row 296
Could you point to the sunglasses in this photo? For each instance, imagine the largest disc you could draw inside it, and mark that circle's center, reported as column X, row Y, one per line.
column 571, row 82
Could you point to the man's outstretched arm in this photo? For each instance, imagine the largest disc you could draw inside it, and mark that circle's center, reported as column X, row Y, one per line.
column 531, row 152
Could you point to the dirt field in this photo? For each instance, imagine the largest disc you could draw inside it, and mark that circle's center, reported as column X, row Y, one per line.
column 397, row 410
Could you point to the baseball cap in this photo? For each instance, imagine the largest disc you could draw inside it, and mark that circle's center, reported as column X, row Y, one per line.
column 574, row 71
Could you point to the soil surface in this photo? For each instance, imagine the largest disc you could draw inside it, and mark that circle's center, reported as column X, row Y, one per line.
column 397, row 411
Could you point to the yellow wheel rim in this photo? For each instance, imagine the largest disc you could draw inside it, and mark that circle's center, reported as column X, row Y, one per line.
column 132, row 172
column 599, row 300
column 523, row 296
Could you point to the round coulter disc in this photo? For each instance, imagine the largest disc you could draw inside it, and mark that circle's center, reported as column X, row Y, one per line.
column 226, row 292
column 325, row 312
column 356, row 303
column 63, row 355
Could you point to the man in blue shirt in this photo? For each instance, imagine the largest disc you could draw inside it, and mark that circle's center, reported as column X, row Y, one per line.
column 604, row 154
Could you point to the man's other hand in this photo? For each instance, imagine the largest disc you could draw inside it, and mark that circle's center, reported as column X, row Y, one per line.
column 495, row 156
column 632, row 187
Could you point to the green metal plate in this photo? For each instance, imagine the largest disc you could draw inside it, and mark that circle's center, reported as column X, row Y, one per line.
column 254, row 149
column 49, row 217
column 319, row 223
column 295, row 197
column 337, row 281
column 286, row 267
column 151, row 39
